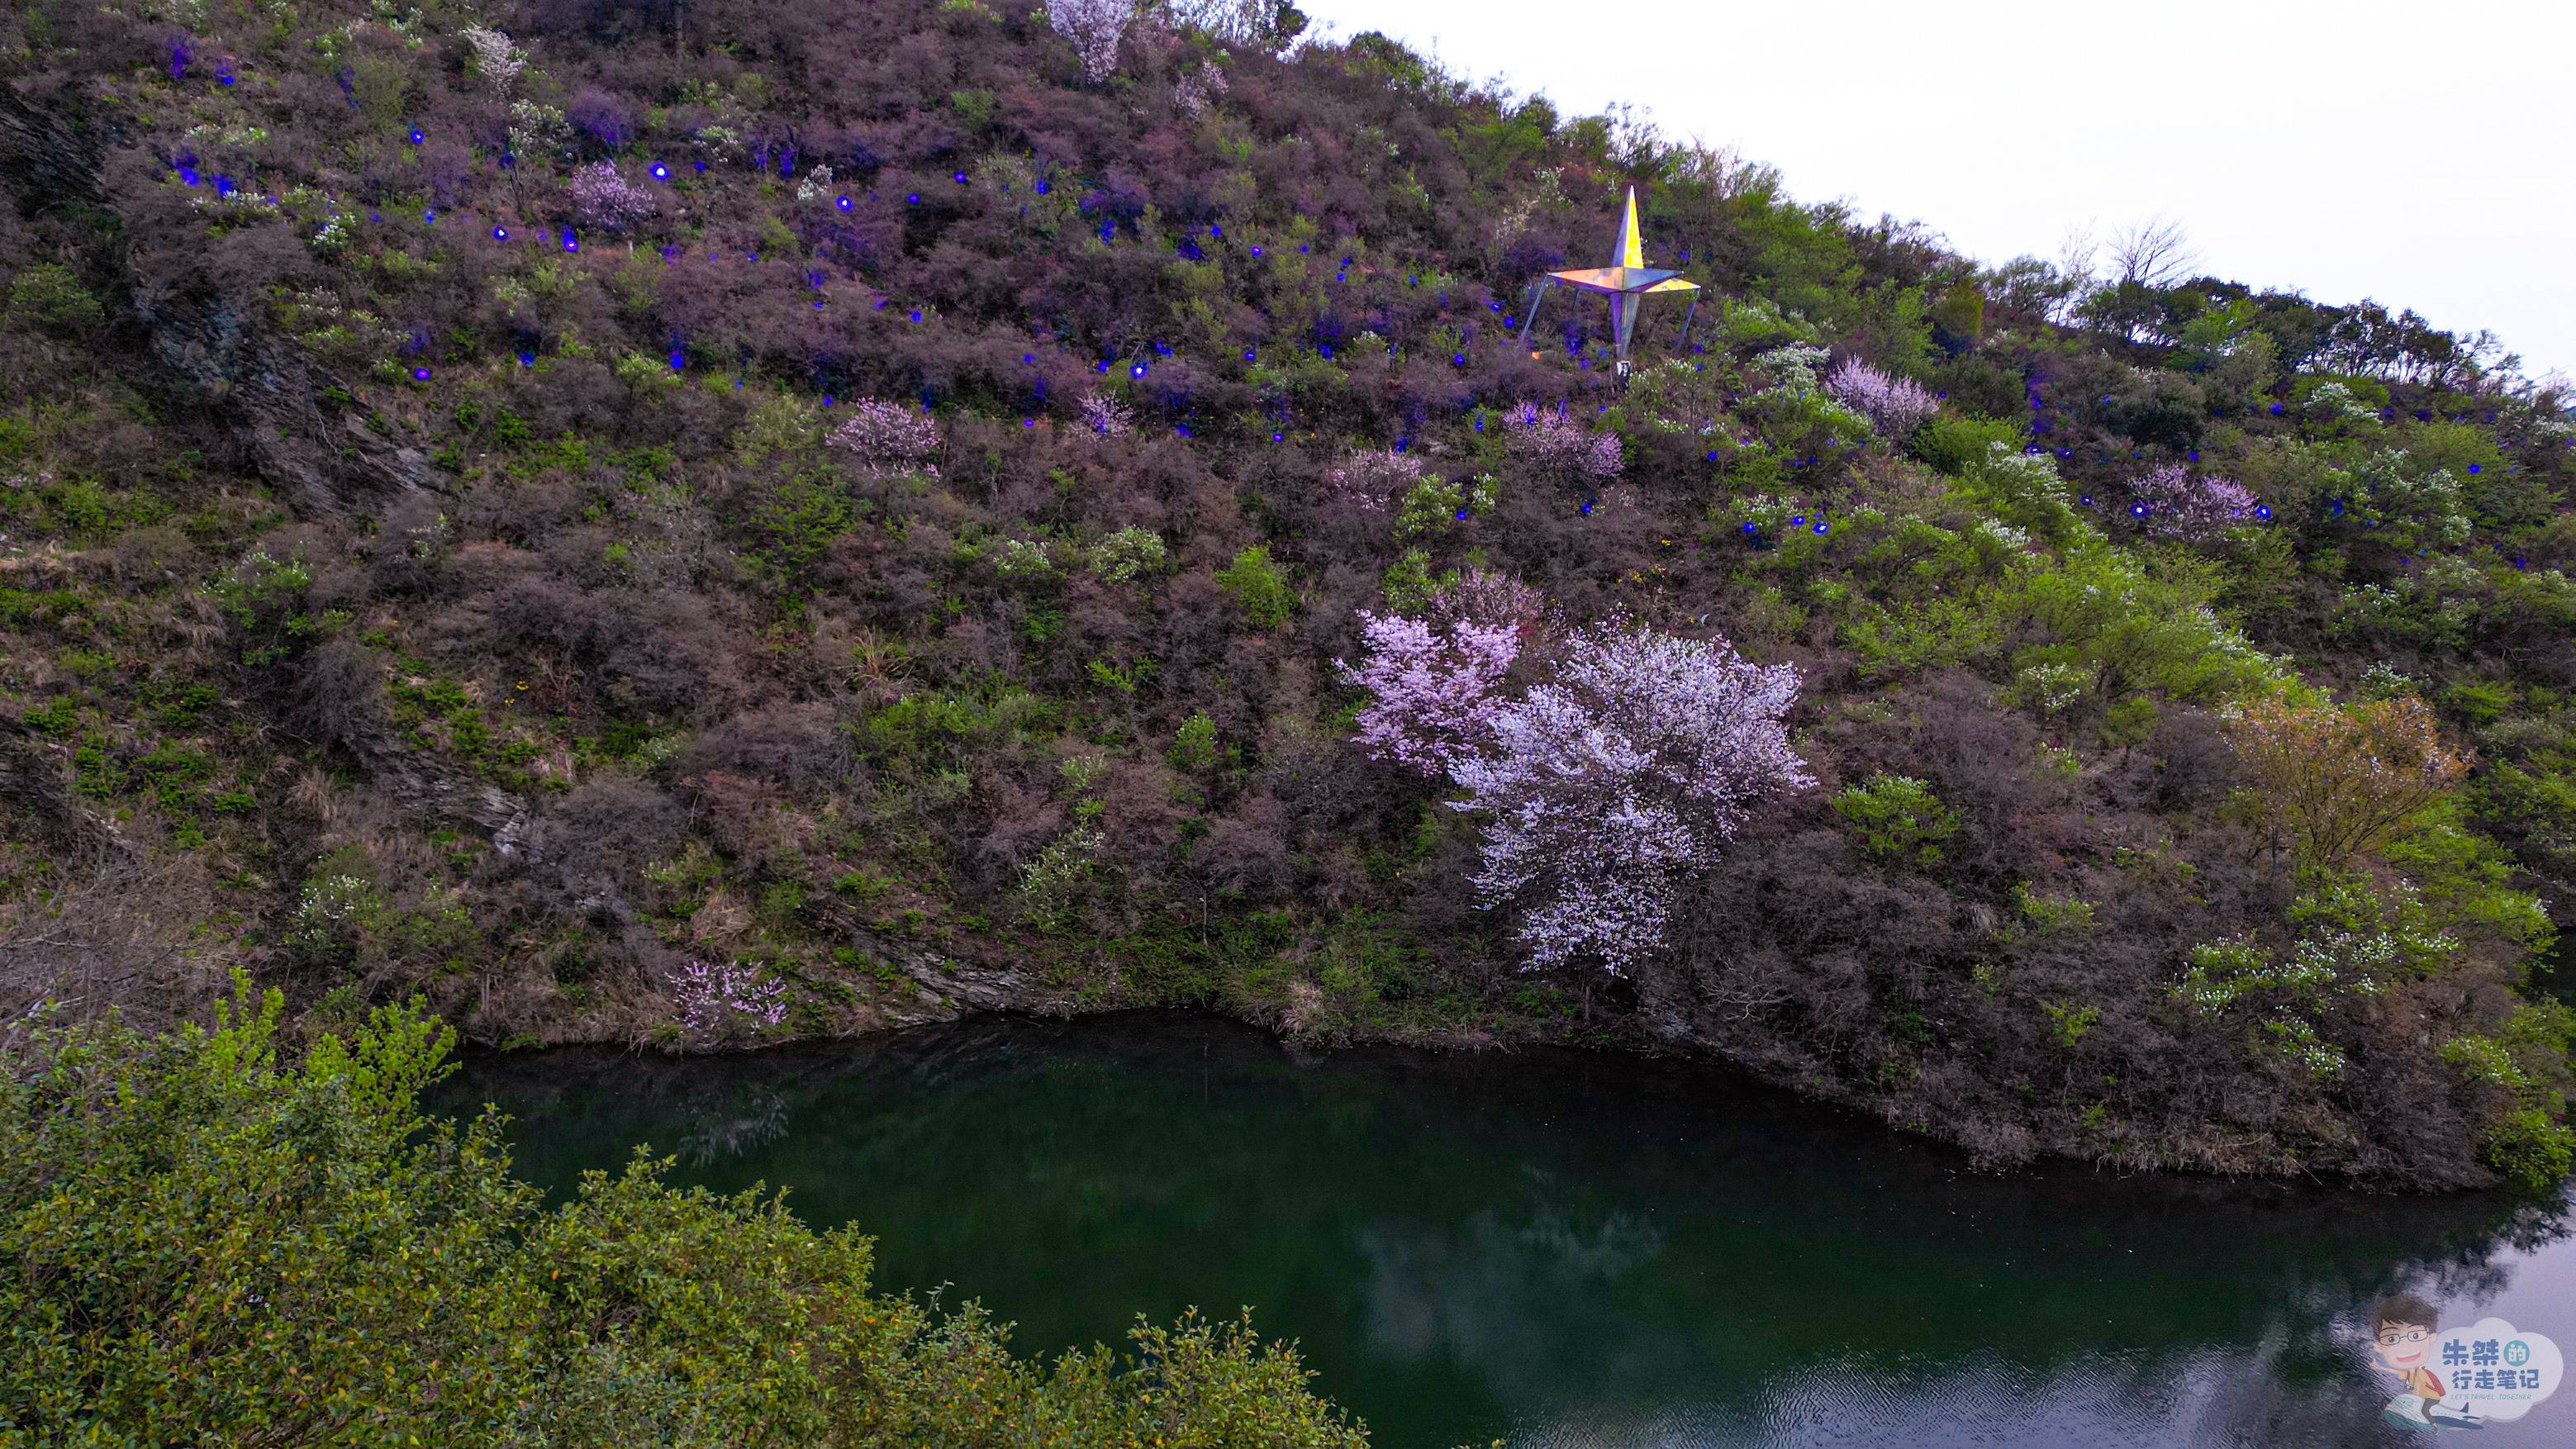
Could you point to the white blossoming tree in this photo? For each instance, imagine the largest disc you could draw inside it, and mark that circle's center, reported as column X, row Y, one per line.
column 1602, row 788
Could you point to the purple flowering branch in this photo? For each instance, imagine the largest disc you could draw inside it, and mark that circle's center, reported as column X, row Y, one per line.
column 887, row 438
column 603, row 198
column 719, row 999
column 1561, row 447
column 1431, row 689
column 2172, row 503
column 1895, row 406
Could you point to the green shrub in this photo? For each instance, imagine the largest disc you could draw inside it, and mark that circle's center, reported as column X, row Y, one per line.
column 2530, row 1150
column 1129, row 556
column 1194, row 748
column 205, row 1243
column 2068, row 1023
column 1898, row 818
column 1953, row 443
column 1259, row 588
column 51, row 296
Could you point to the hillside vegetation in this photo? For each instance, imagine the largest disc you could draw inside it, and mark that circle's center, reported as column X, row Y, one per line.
column 694, row 525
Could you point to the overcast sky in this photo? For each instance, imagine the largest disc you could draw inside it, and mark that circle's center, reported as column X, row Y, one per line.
column 2420, row 154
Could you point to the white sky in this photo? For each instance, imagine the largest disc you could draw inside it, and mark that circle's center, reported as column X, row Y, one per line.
column 2422, row 154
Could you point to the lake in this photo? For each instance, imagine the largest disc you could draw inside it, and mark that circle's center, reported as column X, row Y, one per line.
column 1561, row 1249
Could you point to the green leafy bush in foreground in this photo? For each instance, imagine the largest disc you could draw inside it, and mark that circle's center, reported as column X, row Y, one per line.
column 200, row 1243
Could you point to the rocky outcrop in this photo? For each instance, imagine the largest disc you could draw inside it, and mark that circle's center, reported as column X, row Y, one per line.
column 212, row 351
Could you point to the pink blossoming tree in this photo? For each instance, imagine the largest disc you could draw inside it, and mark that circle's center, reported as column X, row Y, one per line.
column 1895, row 406
column 1367, row 481
column 1602, row 788
column 1431, row 687
column 2171, row 503
column 886, row 439
column 1560, row 447
column 1095, row 27
column 723, row 999
column 603, row 198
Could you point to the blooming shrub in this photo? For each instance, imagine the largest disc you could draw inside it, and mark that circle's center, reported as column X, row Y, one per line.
column 603, row 198
column 1197, row 88
column 1792, row 368
column 1105, row 416
column 1095, row 27
column 2172, row 502
column 1130, row 555
column 718, row 1000
column 1896, row 406
column 1431, row 688
column 495, row 57
column 888, row 439
column 1368, row 481
column 1604, row 787
column 1560, row 447
column 1493, row 599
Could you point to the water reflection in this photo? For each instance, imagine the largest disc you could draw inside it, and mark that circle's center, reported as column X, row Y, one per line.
column 1561, row 1249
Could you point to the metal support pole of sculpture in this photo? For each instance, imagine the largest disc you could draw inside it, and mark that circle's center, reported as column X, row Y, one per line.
column 1538, row 292
column 1627, row 282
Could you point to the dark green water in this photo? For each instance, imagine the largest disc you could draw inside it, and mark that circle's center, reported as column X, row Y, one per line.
column 1557, row 1249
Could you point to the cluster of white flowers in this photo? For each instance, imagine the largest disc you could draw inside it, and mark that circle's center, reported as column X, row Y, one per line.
column 494, row 55
column 1602, row 787
column 1095, row 27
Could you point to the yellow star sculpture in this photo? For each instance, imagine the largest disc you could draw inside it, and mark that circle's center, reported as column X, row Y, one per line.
column 1627, row 282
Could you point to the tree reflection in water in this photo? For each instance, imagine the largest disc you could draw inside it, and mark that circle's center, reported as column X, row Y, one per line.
column 1560, row 1248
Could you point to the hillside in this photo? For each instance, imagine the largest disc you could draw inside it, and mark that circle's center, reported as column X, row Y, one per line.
column 695, row 525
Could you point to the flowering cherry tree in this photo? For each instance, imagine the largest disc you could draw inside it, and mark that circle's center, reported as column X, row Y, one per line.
column 2171, row 503
column 1490, row 598
column 887, row 439
column 1607, row 785
column 1602, row 787
column 1895, row 406
column 602, row 198
column 1095, row 27
column 1107, row 416
column 1367, row 480
column 1431, row 687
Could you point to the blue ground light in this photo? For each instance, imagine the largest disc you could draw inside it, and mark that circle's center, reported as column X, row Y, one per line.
column 661, row 172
